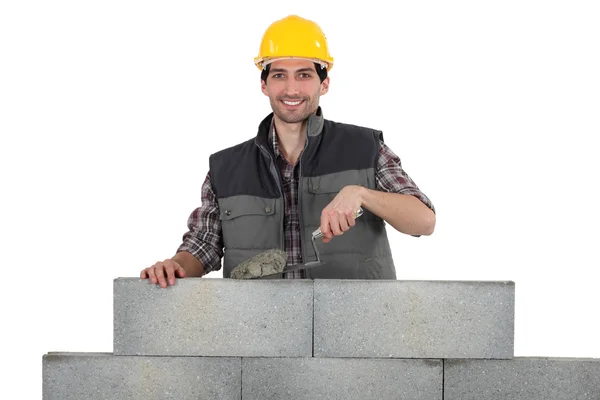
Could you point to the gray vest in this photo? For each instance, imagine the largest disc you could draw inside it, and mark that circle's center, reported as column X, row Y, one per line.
column 248, row 187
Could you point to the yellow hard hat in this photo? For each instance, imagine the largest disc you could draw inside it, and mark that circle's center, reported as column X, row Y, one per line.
column 294, row 37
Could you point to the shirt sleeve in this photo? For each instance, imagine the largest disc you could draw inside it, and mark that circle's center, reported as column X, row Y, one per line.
column 390, row 177
column 204, row 239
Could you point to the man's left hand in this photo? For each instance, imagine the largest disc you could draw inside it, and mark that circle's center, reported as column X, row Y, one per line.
column 339, row 215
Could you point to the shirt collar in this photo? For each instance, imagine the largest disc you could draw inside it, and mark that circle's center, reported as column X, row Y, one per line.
column 273, row 139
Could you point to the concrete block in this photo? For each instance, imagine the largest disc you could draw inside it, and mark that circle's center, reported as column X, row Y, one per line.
column 213, row 317
column 414, row 319
column 96, row 376
column 341, row 378
column 522, row 378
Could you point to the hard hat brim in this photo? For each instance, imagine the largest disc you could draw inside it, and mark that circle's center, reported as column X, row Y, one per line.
column 261, row 62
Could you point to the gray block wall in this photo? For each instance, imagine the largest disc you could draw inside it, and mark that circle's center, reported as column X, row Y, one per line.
column 341, row 378
column 414, row 319
column 214, row 317
column 330, row 339
column 531, row 378
column 77, row 376
column 274, row 318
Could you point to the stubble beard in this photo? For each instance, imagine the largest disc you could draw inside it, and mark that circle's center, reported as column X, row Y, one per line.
column 291, row 117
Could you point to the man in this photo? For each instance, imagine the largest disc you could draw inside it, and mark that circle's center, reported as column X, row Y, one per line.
column 301, row 172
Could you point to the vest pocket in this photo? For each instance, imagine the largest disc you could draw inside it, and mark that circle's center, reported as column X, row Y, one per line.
column 333, row 183
column 321, row 190
column 239, row 206
column 248, row 222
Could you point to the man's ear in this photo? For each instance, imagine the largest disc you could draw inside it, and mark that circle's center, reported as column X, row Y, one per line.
column 263, row 87
column 325, row 86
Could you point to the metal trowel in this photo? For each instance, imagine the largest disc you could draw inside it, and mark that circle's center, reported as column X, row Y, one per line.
column 312, row 264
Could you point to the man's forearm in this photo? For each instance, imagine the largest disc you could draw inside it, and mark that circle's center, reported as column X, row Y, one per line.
column 406, row 213
column 191, row 265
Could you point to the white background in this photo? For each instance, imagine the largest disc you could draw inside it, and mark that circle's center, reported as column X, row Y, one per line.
column 109, row 111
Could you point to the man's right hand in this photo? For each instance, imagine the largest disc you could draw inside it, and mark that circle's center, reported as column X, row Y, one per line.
column 163, row 272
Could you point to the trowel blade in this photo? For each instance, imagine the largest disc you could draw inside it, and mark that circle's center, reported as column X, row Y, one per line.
column 292, row 268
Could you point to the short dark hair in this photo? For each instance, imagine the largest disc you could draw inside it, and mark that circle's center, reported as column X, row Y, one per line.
column 322, row 72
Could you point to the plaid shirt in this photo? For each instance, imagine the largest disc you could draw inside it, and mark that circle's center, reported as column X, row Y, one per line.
column 204, row 239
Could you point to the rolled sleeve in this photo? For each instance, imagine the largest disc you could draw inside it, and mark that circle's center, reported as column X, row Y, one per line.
column 391, row 177
column 204, row 238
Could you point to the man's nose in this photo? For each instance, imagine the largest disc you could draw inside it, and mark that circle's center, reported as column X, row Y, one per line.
column 291, row 87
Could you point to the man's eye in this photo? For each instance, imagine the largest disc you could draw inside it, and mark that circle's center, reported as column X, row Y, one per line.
column 304, row 75
column 277, row 76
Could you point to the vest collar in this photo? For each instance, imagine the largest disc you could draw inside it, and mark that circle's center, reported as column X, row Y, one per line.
column 315, row 123
column 314, row 127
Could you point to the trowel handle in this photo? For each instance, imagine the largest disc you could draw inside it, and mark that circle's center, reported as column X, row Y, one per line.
column 317, row 234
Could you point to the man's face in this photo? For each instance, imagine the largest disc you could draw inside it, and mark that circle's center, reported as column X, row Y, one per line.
column 294, row 89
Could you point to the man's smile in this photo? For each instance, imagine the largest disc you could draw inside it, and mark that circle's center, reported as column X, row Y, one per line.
column 292, row 104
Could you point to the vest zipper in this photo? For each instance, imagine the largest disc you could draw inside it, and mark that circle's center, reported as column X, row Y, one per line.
column 277, row 176
column 302, row 247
